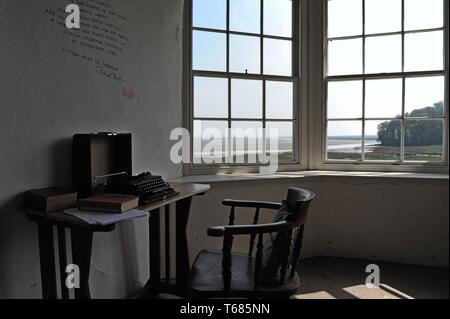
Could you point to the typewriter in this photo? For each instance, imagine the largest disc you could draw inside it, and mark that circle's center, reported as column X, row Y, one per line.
column 148, row 187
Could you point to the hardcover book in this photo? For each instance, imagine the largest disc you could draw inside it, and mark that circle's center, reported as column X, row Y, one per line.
column 109, row 203
column 49, row 200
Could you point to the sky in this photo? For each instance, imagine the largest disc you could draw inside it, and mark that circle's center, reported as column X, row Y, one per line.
column 383, row 54
column 423, row 51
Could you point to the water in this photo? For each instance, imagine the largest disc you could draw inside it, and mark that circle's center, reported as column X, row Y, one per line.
column 349, row 146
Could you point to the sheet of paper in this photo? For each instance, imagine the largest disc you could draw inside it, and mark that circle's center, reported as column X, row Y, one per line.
column 103, row 219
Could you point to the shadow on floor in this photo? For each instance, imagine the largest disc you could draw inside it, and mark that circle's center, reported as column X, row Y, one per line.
column 341, row 278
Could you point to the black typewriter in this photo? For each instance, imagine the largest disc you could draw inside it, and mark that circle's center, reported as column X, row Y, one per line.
column 148, row 187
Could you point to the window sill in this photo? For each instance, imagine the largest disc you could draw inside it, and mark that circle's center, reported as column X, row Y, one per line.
column 233, row 178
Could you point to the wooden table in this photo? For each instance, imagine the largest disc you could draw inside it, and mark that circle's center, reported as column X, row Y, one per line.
column 82, row 236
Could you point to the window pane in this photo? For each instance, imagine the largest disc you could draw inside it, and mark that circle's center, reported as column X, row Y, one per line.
column 383, row 16
column 245, row 16
column 281, row 143
column 424, row 97
column 247, row 141
column 345, row 57
column 344, row 18
column 279, row 100
column 210, row 97
column 345, row 99
column 210, row 14
column 384, row 98
column 344, row 140
column 384, row 54
column 277, row 57
column 424, row 14
column 278, row 17
column 209, row 51
column 424, row 51
column 382, row 140
column 246, row 99
column 245, row 54
column 210, row 142
column 424, row 140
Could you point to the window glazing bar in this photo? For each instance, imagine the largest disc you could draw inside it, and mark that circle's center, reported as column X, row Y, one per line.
column 385, row 75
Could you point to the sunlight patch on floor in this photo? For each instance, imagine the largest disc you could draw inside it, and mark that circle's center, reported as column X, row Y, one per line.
column 315, row 295
column 362, row 292
column 359, row 292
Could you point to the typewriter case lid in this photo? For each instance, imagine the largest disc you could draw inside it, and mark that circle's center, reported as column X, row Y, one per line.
column 99, row 155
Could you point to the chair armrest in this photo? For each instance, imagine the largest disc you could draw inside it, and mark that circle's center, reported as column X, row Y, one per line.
column 221, row 231
column 251, row 204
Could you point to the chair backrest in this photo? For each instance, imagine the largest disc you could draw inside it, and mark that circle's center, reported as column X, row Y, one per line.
column 297, row 204
column 281, row 249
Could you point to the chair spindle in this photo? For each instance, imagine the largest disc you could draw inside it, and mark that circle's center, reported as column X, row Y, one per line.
column 226, row 261
column 297, row 249
column 253, row 236
column 286, row 254
column 259, row 259
column 232, row 216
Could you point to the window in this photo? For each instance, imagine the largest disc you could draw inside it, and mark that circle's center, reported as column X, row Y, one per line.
column 385, row 76
column 244, row 77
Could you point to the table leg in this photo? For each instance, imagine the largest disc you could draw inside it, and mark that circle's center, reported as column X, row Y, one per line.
column 62, row 261
column 182, row 254
column 155, row 252
column 47, row 260
column 167, row 243
column 81, row 256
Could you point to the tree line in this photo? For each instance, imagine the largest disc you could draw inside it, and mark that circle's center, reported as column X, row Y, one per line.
column 417, row 132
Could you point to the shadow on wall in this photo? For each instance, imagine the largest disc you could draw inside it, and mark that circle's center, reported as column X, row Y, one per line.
column 19, row 255
column 18, row 249
column 61, row 165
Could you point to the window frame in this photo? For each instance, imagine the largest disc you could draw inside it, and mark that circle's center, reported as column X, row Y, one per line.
column 311, row 136
column 322, row 161
column 299, row 117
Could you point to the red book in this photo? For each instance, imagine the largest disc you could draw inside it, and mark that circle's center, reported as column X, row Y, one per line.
column 109, row 203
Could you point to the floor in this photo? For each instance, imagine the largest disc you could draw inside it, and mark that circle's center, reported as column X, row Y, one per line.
column 340, row 278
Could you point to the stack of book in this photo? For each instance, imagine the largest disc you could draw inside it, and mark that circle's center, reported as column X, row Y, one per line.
column 113, row 204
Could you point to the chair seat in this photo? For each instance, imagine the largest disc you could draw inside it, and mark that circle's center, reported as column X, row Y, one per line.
column 206, row 278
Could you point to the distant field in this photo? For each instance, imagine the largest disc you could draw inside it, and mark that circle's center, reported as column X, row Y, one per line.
column 342, row 148
column 430, row 153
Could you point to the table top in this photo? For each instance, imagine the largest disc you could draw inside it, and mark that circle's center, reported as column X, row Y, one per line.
column 60, row 218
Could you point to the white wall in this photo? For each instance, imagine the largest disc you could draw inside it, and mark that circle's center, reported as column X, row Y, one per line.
column 389, row 219
column 46, row 96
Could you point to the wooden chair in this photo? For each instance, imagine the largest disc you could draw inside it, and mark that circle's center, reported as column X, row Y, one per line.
column 268, row 272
